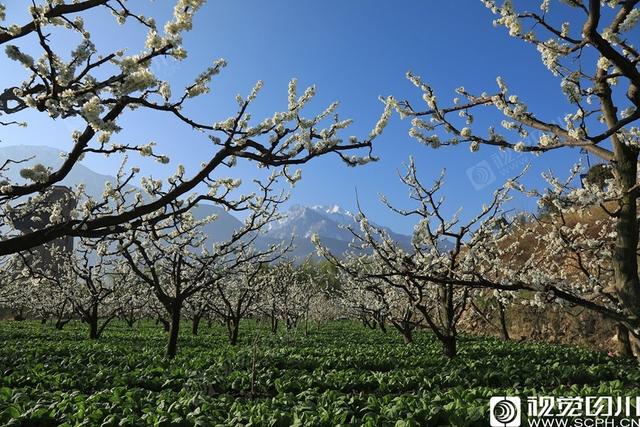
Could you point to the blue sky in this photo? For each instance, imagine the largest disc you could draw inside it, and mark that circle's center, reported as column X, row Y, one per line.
column 353, row 51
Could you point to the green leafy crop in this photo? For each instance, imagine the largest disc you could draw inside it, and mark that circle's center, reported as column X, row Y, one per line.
column 339, row 375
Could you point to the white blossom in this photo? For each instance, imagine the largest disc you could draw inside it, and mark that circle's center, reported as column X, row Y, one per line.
column 631, row 20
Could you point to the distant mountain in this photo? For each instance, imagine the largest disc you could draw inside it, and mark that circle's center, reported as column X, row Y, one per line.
column 218, row 230
column 299, row 222
column 52, row 157
column 305, row 221
column 345, row 217
column 327, row 221
column 223, row 227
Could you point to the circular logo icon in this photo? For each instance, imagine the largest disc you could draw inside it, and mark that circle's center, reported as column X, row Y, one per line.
column 505, row 411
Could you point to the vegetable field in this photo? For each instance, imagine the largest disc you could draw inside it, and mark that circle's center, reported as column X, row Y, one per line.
column 338, row 374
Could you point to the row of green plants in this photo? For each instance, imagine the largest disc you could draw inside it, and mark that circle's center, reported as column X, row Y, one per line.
column 338, row 374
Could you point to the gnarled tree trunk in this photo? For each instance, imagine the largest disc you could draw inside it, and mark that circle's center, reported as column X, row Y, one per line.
column 174, row 329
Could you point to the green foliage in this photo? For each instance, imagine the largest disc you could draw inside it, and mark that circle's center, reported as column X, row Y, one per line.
column 339, row 375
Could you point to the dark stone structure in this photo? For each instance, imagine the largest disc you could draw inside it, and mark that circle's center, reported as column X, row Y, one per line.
column 38, row 218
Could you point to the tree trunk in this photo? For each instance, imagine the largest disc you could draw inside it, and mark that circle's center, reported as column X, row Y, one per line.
column 166, row 325
column 447, row 334
column 60, row 324
column 274, row 324
column 625, row 258
column 624, row 343
column 233, row 326
column 408, row 336
column 172, row 346
column 380, row 322
column 195, row 323
column 366, row 323
column 405, row 330
column 449, row 347
column 93, row 322
column 504, row 330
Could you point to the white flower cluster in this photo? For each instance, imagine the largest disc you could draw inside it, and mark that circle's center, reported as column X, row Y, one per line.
column 389, row 105
column 150, row 185
column 544, row 6
column 56, row 214
column 227, row 183
column 570, row 89
column 295, row 103
column 147, row 149
column 292, row 91
column 508, row 18
column 91, row 111
column 631, row 20
column 16, row 54
column 36, row 173
column 201, row 84
column 293, row 179
column 138, row 80
column 183, row 16
column 546, row 140
column 254, row 92
column 611, row 36
column 165, row 91
column 14, row 29
column 427, row 92
column 603, row 63
column 551, row 51
column 109, row 192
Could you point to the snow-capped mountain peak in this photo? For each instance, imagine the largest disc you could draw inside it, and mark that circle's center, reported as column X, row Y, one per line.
column 335, row 209
column 335, row 213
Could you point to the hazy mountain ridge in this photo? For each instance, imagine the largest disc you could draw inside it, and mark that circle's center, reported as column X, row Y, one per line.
column 299, row 222
column 218, row 230
column 52, row 157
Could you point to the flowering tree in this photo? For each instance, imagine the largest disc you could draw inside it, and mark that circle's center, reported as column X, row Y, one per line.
column 288, row 292
column 93, row 284
column 234, row 298
column 101, row 87
column 135, row 300
column 486, row 307
column 446, row 259
column 325, row 303
column 197, row 308
column 29, row 296
column 565, row 253
column 598, row 69
column 376, row 300
column 171, row 256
